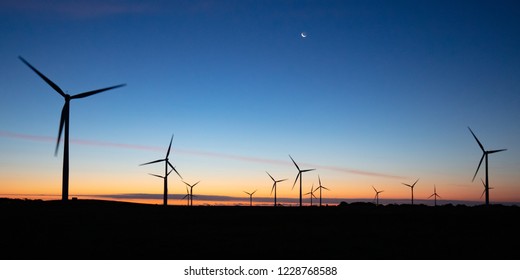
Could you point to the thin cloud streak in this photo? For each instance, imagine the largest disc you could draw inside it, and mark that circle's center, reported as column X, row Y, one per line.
column 78, row 9
column 13, row 135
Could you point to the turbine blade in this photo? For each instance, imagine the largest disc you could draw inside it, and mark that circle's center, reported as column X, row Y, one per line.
column 173, row 168
column 415, row 183
column 156, row 175
column 295, row 180
column 270, row 175
column 406, row 185
column 483, row 193
column 92, row 92
column 496, row 151
column 294, row 163
column 431, row 195
column 49, row 82
column 481, row 159
column 63, row 119
column 319, row 179
column 480, row 144
column 272, row 189
column 169, row 147
column 374, row 189
column 155, row 161
column 306, row 170
column 195, row 184
column 281, row 180
column 168, row 174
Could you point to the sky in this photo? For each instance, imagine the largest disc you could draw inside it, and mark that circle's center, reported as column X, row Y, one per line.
column 377, row 94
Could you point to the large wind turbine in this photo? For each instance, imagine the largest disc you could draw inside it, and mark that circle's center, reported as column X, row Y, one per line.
column 411, row 187
column 166, row 173
column 191, row 191
column 435, row 195
column 274, row 186
column 484, row 155
column 321, row 187
column 376, row 198
column 300, row 175
column 250, row 197
column 64, row 123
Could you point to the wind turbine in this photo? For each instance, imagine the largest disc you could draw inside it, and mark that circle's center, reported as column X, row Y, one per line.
column 191, row 191
column 250, row 197
column 166, row 173
column 274, row 186
column 320, row 188
column 311, row 193
column 187, row 196
column 484, row 188
column 376, row 198
column 411, row 187
column 300, row 175
column 484, row 155
column 64, row 123
column 435, row 195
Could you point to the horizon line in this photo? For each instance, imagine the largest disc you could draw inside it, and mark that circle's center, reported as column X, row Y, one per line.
column 264, row 200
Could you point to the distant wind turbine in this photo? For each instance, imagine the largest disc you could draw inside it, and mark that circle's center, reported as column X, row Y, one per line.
column 64, row 123
column 191, row 191
column 300, row 175
column 376, row 198
column 321, row 187
column 166, row 173
column 411, row 187
column 484, row 155
column 311, row 193
column 435, row 195
column 187, row 196
column 484, row 188
column 250, row 197
column 274, row 186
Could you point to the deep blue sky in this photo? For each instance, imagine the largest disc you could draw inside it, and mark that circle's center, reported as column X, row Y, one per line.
column 385, row 87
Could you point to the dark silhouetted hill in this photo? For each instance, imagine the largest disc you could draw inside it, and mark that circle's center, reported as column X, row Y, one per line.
column 97, row 229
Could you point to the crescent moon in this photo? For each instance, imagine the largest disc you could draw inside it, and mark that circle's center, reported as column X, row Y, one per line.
column 303, row 35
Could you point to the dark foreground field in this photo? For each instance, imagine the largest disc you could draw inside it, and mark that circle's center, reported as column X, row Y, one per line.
column 90, row 229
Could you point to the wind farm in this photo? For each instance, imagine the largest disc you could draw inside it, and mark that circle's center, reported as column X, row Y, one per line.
column 373, row 95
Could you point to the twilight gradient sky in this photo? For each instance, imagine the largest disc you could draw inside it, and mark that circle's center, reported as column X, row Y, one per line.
column 379, row 93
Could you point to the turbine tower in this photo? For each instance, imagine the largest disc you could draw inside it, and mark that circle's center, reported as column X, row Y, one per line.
column 274, row 186
column 166, row 173
column 435, row 195
column 250, row 197
column 411, row 187
column 376, row 198
column 300, row 175
column 485, row 154
column 321, row 187
column 64, row 124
